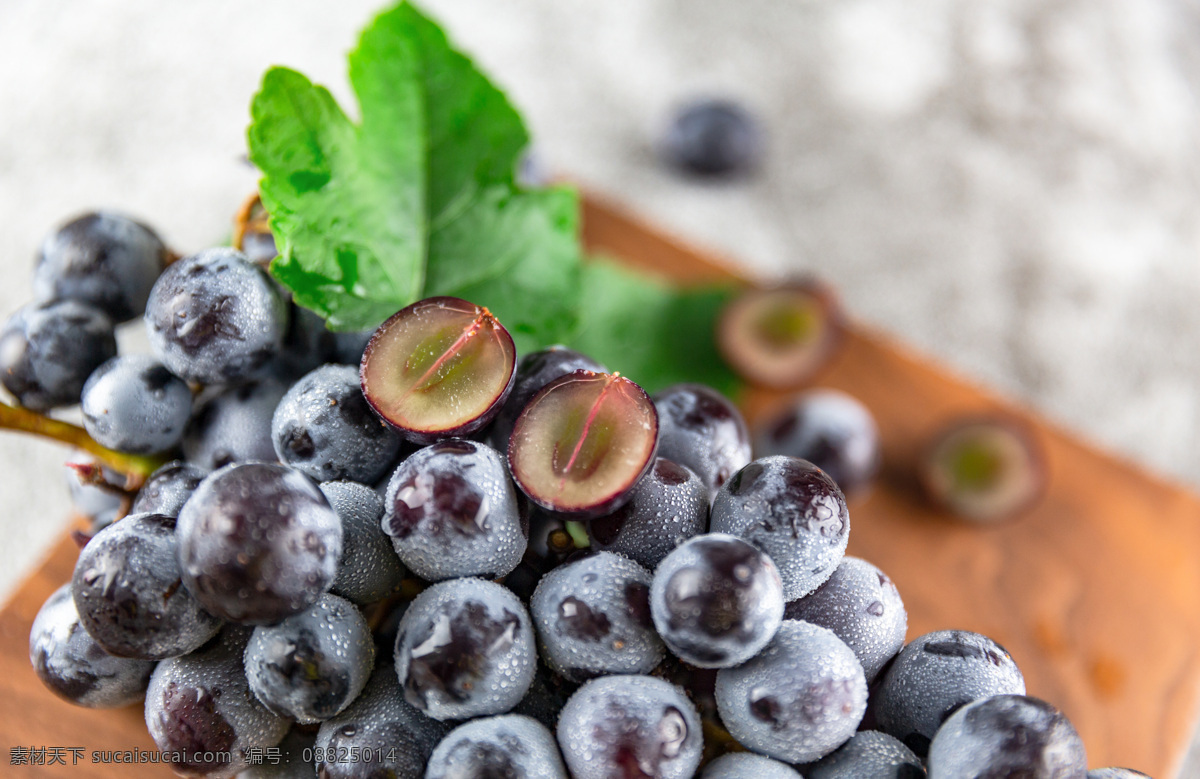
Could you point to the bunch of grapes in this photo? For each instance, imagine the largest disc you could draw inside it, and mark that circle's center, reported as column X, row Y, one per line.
column 424, row 555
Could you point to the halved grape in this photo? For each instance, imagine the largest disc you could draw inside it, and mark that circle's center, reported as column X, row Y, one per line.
column 441, row 367
column 535, row 371
column 583, row 443
column 780, row 338
column 984, row 469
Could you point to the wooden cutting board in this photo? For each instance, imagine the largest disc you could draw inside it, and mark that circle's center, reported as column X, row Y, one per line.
column 1095, row 592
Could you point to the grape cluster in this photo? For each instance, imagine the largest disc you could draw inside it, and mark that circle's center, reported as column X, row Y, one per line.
column 441, row 560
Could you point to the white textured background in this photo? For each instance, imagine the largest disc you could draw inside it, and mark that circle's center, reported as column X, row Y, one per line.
column 1010, row 185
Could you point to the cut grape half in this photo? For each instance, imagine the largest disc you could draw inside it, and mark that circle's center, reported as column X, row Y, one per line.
column 441, row 367
column 984, row 469
column 583, row 443
column 780, row 338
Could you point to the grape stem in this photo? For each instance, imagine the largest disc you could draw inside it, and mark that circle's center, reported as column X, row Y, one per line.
column 135, row 467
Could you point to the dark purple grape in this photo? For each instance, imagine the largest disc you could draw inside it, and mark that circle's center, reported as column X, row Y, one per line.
column 830, row 429
column 311, row 665
column 451, row 511
column 127, row 588
column 258, row 543
column 168, row 489
column 593, row 618
column 369, row 569
column 215, row 317
column 741, row 765
column 509, row 745
column 984, row 469
column 630, row 726
column 713, row 138
column 234, row 426
column 379, row 736
column 104, row 259
column 700, row 429
column 324, row 427
column 47, row 352
column 199, row 708
column 868, row 753
column 439, row 368
column 669, row 506
column 936, row 674
column 583, row 443
column 781, row 338
column 793, row 512
column 799, row 699
column 134, row 404
column 535, row 371
column 862, row 606
column 1009, row 736
column 73, row 666
column 716, row 601
column 465, row 648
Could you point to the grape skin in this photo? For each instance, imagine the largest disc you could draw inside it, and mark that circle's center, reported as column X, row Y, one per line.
column 311, row 665
column 739, row 765
column 830, row 429
column 258, row 543
column 127, row 589
column 593, row 618
column 699, row 428
column 73, row 666
column 47, row 352
column 509, row 745
column 391, row 738
column 104, row 259
column 620, row 725
column 451, row 510
column 799, row 699
column 465, row 648
column 863, row 607
column 668, row 506
column 234, row 426
column 202, row 703
column 1007, row 735
column 369, row 569
column 215, row 317
column 793, row 512
column 716, row 601
column 933, row 676
column 324, row 427
column 134, row 404
column 168, row 489
column 534, row 371
column 868, row 753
